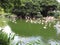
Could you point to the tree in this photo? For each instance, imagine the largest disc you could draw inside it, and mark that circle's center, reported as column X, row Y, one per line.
column 31, row 7
column 48, row 5
column 6, row 5
column 22, row 7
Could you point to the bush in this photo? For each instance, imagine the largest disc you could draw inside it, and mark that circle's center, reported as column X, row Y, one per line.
column 56, row 14
column 3, row 20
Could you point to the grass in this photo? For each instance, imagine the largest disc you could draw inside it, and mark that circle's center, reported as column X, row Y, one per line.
column 29, row 29
column 4, row 38
column 3, row 21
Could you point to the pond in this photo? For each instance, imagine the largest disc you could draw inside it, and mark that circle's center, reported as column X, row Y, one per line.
column 35, row 34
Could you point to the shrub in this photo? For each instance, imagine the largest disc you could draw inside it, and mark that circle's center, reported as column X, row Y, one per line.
column 56, row 14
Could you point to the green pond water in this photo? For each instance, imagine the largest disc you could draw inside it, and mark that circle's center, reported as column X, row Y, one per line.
column 29, row 29
column 32, row 34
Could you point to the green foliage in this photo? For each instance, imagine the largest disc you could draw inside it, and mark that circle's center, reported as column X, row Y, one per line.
column 1, row 10
column 3, row 20
column 49, row 2
column 51, row 13
column 3, row 38
column 6, row 5
column 26, row 6
column 56, row 14
column 58, row 7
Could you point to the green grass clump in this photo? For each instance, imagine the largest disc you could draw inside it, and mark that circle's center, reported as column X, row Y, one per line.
column 3, row 21
column 4, row 38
